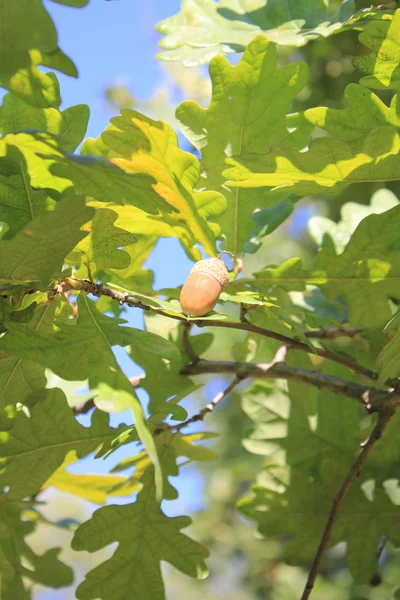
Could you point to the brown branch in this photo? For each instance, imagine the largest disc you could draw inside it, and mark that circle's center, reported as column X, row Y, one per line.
column 372, row 398
column 210, row 407
column 331, row 333
column 295, row 345
column 355, row 469
column 186, row 342
column 84, row 408
column 97, row 289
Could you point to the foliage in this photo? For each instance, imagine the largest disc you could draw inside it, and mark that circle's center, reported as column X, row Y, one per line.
column 204, row 28
column 309, row 322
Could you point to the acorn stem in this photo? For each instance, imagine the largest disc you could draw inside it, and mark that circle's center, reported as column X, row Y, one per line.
column 225, row 252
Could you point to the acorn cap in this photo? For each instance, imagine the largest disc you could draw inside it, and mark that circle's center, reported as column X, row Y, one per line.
column 214, row 267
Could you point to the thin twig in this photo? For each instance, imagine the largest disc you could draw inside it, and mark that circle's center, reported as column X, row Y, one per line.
column 355, row 469
column 294, row 344
column 210, row 407
column 186, row 342
column 84, row 408
column 370, row 397
column 331, row 333
column 98, row 289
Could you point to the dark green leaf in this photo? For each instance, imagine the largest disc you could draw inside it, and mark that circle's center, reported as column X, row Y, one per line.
column 45, row 569
column 37, row 252
column 36, row 446
column 146, row 537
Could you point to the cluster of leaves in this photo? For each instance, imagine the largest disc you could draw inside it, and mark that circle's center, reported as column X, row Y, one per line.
column 97, row 216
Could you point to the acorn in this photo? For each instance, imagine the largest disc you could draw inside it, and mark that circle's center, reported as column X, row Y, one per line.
column 201, row 290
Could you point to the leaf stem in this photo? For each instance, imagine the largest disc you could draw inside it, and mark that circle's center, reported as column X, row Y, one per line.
column 210, row 407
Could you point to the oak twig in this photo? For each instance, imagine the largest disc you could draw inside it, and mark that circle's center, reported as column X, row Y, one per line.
column 210, row 407
column 355, row 469
column 97, row 289
column 331, row 333
column 369, row 397
column 186, row 342
column 84, row 408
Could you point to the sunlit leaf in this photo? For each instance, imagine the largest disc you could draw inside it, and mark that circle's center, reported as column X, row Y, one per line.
column 247, row 114
column 382, row 65
column 37, row 45
column 328, row 166
column 94, row 488
column 138, row 144
column 205, row 28
column 366, row 273
column 104, row 240
column 324, row 231
column 364, row 112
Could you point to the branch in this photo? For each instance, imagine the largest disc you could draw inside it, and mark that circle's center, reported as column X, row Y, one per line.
column 295, row 345
column 98, row 289
column 370, row 397
column 210, row 407
column 331, row 333
column 355, row 469
column 186, row 342
column 84, row 408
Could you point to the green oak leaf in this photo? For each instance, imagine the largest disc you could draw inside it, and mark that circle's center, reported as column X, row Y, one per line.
column 91, row 487
column 37, row 252
column 134, row 276
column 324, row 231
column 388, row 360
column 364, row 112
column 45, row 569
column 106, row 182
column 285, row 434
column 267, row 220
column 247, row 115
column 104, row 240
column 20, row 199
column 20, row 202
column 328, row 166
column 366, row 273
column 138, row 144
column 69, row 125
column 51, row 167
column 94, row 335
column 302, row 510
column 23, row 380
column 382, row 65
column 171, row 446
column 36, row 446
column 30, row 23
column 204, row 28
column 145, row 537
